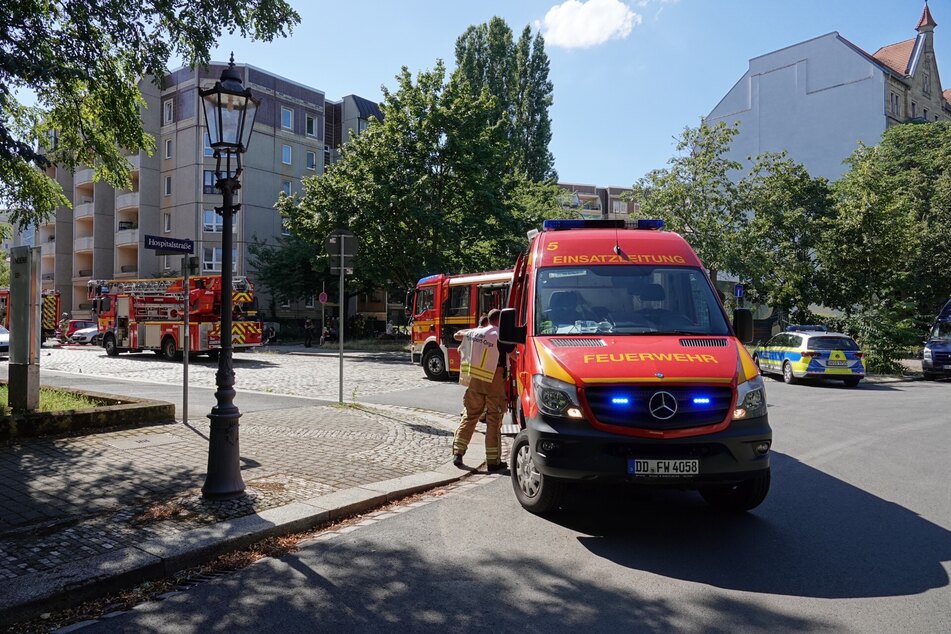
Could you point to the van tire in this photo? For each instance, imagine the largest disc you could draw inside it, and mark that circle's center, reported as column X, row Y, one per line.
column 740, row 497
column 536, row 493
column 434, row 365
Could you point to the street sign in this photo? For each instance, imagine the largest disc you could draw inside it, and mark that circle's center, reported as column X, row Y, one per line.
column 738, row 291
column 169, row 246
column 323, row 298
column 341, row 239
column 348, row 270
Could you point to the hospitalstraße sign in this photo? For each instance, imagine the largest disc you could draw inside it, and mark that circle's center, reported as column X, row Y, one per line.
column 169, row 246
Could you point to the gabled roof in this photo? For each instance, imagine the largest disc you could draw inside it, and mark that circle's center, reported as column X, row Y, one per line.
column 897, row 56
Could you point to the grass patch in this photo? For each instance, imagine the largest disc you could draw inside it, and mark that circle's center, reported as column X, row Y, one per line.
column 52, row 401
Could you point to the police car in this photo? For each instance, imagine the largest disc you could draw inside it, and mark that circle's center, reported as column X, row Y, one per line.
column 811, row 352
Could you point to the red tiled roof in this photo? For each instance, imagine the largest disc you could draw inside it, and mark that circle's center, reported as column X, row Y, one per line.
column 947, row 95
column 896, row 56
column 926, row 19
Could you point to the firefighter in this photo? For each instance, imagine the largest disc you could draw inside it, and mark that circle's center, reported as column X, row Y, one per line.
column 483, row 369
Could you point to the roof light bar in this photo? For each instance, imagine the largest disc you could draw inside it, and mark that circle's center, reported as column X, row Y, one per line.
column 655, row 224
column 581, row 223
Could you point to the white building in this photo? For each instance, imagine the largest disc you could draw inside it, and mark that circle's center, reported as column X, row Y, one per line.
column 819, row 98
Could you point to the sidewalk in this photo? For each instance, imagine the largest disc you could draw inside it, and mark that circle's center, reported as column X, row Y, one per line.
column 87, row 515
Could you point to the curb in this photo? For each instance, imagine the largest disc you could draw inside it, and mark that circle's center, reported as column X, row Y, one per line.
column 30, row 595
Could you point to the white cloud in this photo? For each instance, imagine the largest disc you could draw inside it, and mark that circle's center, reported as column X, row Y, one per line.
column 579, row 24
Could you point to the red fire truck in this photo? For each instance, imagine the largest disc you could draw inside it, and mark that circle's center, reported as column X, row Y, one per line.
column 136, row 315
column 50, row 315
column 442, row 304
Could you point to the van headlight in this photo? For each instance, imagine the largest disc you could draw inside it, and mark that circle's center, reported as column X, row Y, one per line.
column 556, row 398
column 750, row 399
column 927, row 354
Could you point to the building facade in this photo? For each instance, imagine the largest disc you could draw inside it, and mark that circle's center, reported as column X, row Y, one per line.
column 818, row 99
column 597, row 203
column 297, row 133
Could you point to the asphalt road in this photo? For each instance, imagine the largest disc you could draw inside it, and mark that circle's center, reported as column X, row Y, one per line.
column 855, row 536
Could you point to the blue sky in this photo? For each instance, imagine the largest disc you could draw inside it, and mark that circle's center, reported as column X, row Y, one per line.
column 629, row 75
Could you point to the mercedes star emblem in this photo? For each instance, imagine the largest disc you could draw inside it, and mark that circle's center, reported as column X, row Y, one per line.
column 663, row 405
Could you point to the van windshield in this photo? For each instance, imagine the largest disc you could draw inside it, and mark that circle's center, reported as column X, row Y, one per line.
column 627, row 299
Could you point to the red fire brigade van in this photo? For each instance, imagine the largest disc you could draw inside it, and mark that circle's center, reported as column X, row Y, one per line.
column 627, row 368
column 443, row 304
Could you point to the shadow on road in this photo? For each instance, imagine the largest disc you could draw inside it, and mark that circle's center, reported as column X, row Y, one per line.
column 815, row 536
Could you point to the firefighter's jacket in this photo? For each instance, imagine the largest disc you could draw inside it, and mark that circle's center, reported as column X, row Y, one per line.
column 479, row 353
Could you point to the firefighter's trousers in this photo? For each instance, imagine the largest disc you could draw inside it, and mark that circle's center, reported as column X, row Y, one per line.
column 482, row 396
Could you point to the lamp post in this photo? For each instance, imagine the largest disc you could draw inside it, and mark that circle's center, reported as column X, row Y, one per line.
column 229, row 115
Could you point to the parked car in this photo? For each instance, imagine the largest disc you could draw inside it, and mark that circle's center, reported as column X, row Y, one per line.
column 86, row 336
column 72, row 326
column 936, row 360
column 4, row 341
column 803, row 352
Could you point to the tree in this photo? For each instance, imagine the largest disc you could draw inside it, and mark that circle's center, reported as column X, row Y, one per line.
column 516, row 75
column 883, row 257
column 696, row 196
column 291, row 270
column 786, row 212
column 426, row 190
column 83, row 60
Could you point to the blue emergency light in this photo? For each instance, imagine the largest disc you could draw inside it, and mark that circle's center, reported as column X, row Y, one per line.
column 655, row 224
column 620, row 400
column 701, row 400
column 581, row 223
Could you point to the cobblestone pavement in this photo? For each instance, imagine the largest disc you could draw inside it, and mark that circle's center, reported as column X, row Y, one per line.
column 292, row 370
column 65, row 499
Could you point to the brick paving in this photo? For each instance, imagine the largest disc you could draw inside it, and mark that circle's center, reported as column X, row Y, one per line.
column 65, row 499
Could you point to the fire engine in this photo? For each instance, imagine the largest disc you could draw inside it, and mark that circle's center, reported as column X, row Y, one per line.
column 50, row 314
column 626, row 368
column 441, row 305
column 136, row 315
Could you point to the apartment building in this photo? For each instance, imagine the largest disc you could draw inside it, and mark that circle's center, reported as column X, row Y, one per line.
column 597, row 203
column 297, row 133
column 818, row 99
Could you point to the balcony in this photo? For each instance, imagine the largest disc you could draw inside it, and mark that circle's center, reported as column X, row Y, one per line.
column 47, row 249
column 83, row 177
column 127, row 201
column 47, row 277
column 126, row 237
column 83, row 244
column 84, row 210
column 134, row 163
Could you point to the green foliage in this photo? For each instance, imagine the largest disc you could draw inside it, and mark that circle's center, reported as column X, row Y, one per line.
column 516, row 74
column 786, row 213
column 291, row 270
column 696, row 196
column 82, row 60
column 428, row 189
column 4, row 269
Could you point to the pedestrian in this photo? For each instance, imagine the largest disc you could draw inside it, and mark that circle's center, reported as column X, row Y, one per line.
column 271, row 335
column 308, row 332
column 484, row 362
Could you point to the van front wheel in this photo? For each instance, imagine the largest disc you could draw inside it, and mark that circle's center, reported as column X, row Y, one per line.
column 536, row 493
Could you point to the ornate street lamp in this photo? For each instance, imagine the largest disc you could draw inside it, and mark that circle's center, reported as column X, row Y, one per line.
column 229, row 114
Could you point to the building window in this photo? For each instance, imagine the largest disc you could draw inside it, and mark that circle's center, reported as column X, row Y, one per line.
column 168, row 110
column 168, row 148
column 311, row 125
column 168, row 185
column 287, row 118
column 287, row 155
column 924, row 114
column 312, row 160
column 208, row 149
column 326, row 156
column 285, row 230
column 310, row 302
column 285, row 303
column 166, row 222
column 914, row 110
column 926, row 84
column 166, row 262
column 212, row 222
column 208, row 183
column 361, row 125
column 896, row 105
column 286, row 187
column 211, row 259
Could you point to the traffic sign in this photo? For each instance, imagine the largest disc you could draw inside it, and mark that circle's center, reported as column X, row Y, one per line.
column 341, row 239
column 738, row 291
column 323, row 298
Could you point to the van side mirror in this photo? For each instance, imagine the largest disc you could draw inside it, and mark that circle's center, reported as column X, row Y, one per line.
column 743, row 324
column 508, row 331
